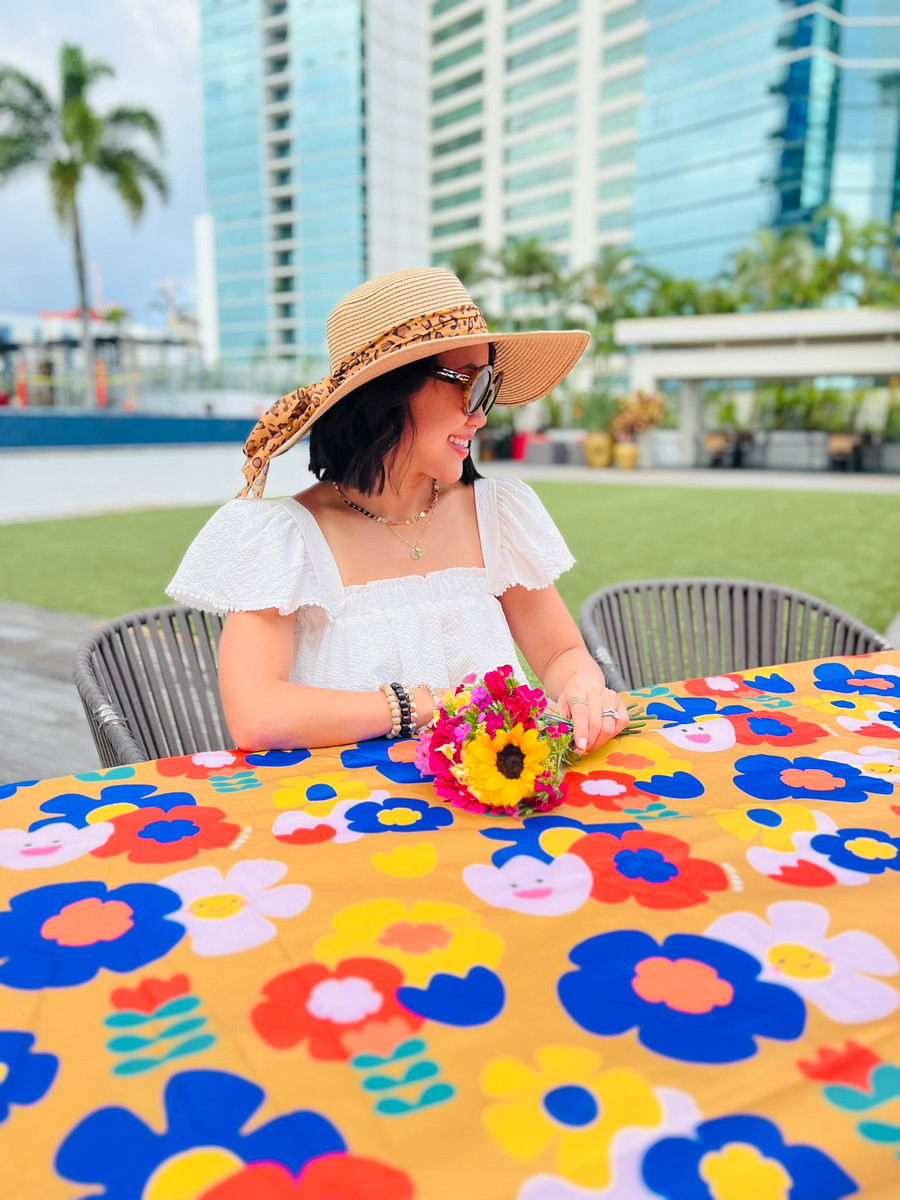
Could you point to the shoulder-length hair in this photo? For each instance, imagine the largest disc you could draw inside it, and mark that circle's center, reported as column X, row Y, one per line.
column 351, row 443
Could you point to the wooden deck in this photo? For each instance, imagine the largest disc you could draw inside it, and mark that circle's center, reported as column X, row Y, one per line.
column 43, row 730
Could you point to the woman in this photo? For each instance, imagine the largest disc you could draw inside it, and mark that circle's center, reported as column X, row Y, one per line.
column 401, row 563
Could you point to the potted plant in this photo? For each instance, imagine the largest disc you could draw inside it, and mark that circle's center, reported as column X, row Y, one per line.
column 890, row 450
column 594, row 412
column 635, row 415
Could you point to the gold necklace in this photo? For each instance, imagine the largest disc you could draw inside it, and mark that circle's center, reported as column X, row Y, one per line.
column 383, row 520
column 414, row 551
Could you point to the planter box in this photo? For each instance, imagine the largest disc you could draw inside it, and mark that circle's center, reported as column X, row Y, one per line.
column 890, row 456
column 660, row 448
column 797, row 450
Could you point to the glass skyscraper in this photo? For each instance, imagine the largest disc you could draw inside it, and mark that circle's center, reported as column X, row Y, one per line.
column 757, row 115
column 306, row 199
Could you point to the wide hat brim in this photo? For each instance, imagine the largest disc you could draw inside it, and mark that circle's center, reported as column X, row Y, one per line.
column 532, row 362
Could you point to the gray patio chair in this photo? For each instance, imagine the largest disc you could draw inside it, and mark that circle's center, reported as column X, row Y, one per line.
column 655, row 630
column 149, row 685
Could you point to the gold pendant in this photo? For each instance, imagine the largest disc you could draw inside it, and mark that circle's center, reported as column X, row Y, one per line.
column 415, row 552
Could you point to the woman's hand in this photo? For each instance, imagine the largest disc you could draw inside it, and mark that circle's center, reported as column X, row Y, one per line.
column 596, row 711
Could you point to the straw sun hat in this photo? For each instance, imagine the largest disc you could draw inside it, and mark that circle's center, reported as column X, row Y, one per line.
column 396, row 319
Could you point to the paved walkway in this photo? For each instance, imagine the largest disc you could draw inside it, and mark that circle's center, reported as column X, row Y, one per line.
column 803, row 481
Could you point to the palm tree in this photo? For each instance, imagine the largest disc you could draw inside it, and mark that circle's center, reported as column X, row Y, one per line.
column 66, row 137
column 777, row 269
column 531, row 273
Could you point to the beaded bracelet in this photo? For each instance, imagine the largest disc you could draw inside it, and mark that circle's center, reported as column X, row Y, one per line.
column 434, row 712
column 406, row 710
column 394, row 706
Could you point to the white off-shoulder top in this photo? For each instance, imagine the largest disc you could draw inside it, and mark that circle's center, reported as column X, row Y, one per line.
column 437, row 627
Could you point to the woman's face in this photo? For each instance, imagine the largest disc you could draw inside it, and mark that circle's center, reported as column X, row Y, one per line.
column 441, row 433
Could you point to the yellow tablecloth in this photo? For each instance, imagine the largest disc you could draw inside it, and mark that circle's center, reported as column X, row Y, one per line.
column 299, row 976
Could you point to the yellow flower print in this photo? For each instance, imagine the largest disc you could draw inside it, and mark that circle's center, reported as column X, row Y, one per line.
column 426, row 939
column 567, row 1102
column 839, row 706
column 636, row 755
column 318, row 794
column 501, row 770
column 773, row 825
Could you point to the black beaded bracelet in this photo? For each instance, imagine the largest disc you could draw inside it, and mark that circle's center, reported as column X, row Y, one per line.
column 406, row 725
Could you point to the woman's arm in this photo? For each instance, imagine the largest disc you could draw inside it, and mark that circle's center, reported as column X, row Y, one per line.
column 554, row 649
column 265, row 711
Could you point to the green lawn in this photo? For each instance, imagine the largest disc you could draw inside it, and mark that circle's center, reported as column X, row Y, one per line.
column 841, row 547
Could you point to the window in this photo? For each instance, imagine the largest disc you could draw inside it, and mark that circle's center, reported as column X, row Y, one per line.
column 460, row 26
column 546, row 16
column 438, row 231
column 540, row 83
column 281, row 150
column 516, row 3
column 457, row 114
column 277, row 94
column 540, row 114
column 537, row 208
column 287, row 336
column 283, row 204
column 469, row 196
column 612, row 189
column 282, row 232
column 284, row 284
column 461, row 55
column 281, row 178
column 538, row 175
column 553, row 233
column 625, row 118
column 442, row 6
column 618, row 53
column 284, row 258
column 623, row 86
column 559, row 139
column 624, row 16
column 613, row 155
column 457, row 143
column 620, row 219
column 458, row 85
column 472, row 167
column 285, row 311
column 565, row 41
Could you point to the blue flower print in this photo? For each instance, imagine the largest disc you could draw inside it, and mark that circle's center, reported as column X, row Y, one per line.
column 526, row 839
column 63, row 934
column 869, row 851
column 681, row 1168
column 114, row 1148
column 10, row 789
column 473, row 1000
column 682, row 710
column 78, row 810
column 774, row 683
column 276, row 758
column 400, row 814
column 837, row 677
column 693, row 998
column 27, row 1076
column 681, row 785
column 378, row 754
column 770, row 777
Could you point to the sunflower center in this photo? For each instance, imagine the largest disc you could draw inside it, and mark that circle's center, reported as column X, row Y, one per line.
column 510, row 761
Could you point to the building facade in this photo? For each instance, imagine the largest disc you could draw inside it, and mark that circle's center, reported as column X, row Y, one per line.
column 314, row 143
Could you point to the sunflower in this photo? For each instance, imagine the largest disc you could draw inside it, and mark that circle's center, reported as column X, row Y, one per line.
column 501, row 770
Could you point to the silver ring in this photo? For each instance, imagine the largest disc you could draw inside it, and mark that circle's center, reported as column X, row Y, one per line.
column 577, row 700
column 609, row 712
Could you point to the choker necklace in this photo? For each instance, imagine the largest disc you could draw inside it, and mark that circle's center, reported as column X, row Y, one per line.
column 414, row 551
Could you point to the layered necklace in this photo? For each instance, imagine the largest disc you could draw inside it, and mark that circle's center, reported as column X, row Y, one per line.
column 428, row 512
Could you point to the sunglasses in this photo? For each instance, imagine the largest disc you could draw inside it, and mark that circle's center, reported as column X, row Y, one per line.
column 479, row 390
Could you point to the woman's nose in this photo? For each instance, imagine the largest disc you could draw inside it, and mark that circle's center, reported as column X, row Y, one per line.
column 477, row 419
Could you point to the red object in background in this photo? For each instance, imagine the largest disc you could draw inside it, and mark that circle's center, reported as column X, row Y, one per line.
column 73, row 314
column 100, row 382
column 519, row 445
column 21, row 385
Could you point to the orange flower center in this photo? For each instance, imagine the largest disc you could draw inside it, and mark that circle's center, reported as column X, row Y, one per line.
column 415, row 939
column 88, row 921
column 881, row 685
column 684, row 984
column 814, row 780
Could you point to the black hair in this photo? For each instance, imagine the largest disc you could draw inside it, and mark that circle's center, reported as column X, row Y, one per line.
column 351, row 442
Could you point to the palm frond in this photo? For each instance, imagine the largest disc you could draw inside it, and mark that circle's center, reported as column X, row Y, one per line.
column 78, row 72
column 23, row 97
column 127, row 170
column 64, row 176
column 126, row 118
column 18, row 152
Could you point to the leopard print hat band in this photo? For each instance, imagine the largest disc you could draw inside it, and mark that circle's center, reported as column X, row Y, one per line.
column 395, row 319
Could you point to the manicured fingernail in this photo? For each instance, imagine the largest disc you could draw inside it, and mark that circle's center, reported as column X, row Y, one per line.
column 582, row 743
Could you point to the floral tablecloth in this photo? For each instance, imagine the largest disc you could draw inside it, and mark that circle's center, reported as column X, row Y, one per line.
column 298, row 976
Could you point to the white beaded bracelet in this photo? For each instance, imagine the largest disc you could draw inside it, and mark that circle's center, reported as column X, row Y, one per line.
column 434, row 713
column 394, row 706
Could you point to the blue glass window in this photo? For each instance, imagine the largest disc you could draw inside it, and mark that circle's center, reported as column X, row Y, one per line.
column 538, row 20
column 545, row 49
column 540, row 114
column 541, row 83
column 536, row 208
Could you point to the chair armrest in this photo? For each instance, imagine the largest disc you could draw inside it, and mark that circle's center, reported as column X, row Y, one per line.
column 115, row 742
column 600, row 652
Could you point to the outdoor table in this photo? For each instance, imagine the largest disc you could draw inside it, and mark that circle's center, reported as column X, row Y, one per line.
column 299, row 975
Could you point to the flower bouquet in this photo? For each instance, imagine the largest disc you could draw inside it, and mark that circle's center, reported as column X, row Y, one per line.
column 496, row 746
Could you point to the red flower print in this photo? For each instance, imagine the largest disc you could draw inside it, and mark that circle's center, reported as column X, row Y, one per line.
column 719, row 685
column 329, row 1009
column 854, row 1065
column 327, row 1177
column 655, row 868
column 150, row 994
column 774, row 729
column 610, row 791
column 202, row 765
column 150, row 835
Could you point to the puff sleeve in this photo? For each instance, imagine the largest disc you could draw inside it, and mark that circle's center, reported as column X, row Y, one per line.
column 521, row 544
column 255, row 554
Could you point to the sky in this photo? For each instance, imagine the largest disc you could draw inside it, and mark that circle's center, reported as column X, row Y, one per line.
column 153, row 45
